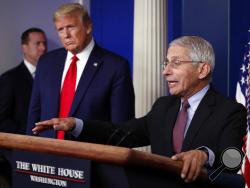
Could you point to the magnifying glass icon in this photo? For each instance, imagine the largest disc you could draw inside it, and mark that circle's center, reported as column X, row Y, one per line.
column 231, row 159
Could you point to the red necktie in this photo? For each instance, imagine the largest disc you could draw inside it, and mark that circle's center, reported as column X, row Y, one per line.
column 179, row 128
column 67, row 93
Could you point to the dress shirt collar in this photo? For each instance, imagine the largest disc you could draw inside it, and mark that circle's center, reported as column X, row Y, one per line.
column 84, row 53
column 30, row 67
column 83, row 57
column 195, row 100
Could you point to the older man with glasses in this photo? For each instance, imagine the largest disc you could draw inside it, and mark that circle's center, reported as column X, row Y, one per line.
column 194, row 124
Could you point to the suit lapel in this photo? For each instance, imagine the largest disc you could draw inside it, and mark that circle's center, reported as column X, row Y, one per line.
column 56, row 78
column 93, row 64
column 26, row 75
column 204, row 110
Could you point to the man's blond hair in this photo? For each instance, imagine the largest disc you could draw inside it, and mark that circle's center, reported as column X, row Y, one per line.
column 72, row 9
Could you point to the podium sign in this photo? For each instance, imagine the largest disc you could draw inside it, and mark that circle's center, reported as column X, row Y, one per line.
column 38, row 170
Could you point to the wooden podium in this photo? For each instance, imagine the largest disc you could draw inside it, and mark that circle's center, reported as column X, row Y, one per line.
column 111, row 166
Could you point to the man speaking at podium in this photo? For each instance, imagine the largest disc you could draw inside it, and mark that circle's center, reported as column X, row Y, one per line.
column 194, row 124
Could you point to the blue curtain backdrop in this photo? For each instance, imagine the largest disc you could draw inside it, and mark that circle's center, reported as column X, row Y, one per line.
column 113, row 26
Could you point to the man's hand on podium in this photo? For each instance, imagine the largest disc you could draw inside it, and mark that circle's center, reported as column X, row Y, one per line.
column 65, row 124
column 193, row 162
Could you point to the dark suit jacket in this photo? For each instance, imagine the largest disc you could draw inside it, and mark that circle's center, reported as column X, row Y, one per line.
column 15, row 92
column 104, row 92
column 218, row 123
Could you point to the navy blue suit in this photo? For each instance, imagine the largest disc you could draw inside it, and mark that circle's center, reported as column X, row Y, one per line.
column 104, row 92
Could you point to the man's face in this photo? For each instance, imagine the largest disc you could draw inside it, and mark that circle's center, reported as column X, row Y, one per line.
column 73, row 33
column 36, row 46
column 185, row 79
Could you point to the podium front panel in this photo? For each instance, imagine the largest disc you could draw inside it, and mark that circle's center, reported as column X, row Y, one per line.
column 38, row 170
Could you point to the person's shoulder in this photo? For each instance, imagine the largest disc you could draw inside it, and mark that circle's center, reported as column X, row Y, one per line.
column 13, row 72
column 166, row 100
column 57, row 51
column 223, row 100
column 108, row 55
column 54, row 54
column 11, row 77
column 48, row 59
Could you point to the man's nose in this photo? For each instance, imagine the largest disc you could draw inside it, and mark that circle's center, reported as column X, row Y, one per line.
column 167, row 69
column 66, row 33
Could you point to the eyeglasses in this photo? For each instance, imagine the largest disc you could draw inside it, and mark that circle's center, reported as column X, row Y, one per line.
column 176, row 63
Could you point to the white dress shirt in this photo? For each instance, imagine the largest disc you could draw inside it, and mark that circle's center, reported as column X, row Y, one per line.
column 83, row 57
column 30, row 67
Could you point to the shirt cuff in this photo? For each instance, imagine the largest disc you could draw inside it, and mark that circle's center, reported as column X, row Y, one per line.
column 78, row 128
column 211, row 156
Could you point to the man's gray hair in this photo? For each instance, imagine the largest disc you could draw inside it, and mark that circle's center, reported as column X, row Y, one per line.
column 200, row 49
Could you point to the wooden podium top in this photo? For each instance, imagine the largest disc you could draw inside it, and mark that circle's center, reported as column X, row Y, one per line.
column 95, row 152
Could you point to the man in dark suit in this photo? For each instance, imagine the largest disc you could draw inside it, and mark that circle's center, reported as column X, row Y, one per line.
column 212, row 122
column 16, row 84
column 15, row 92
column 103, row 87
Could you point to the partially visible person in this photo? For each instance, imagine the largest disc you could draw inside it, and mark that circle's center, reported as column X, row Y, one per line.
column 16, row 84
column 15, row 93
column 194, row 125
column 99, row 85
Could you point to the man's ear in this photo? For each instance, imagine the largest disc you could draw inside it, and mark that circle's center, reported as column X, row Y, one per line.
column 89, row 28
column 204, row 70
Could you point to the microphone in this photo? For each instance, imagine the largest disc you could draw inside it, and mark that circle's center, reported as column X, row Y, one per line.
column 112, row 135
column 124, row 138
column 118, row 136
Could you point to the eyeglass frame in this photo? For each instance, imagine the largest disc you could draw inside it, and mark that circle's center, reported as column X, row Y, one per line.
column 174, row 63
